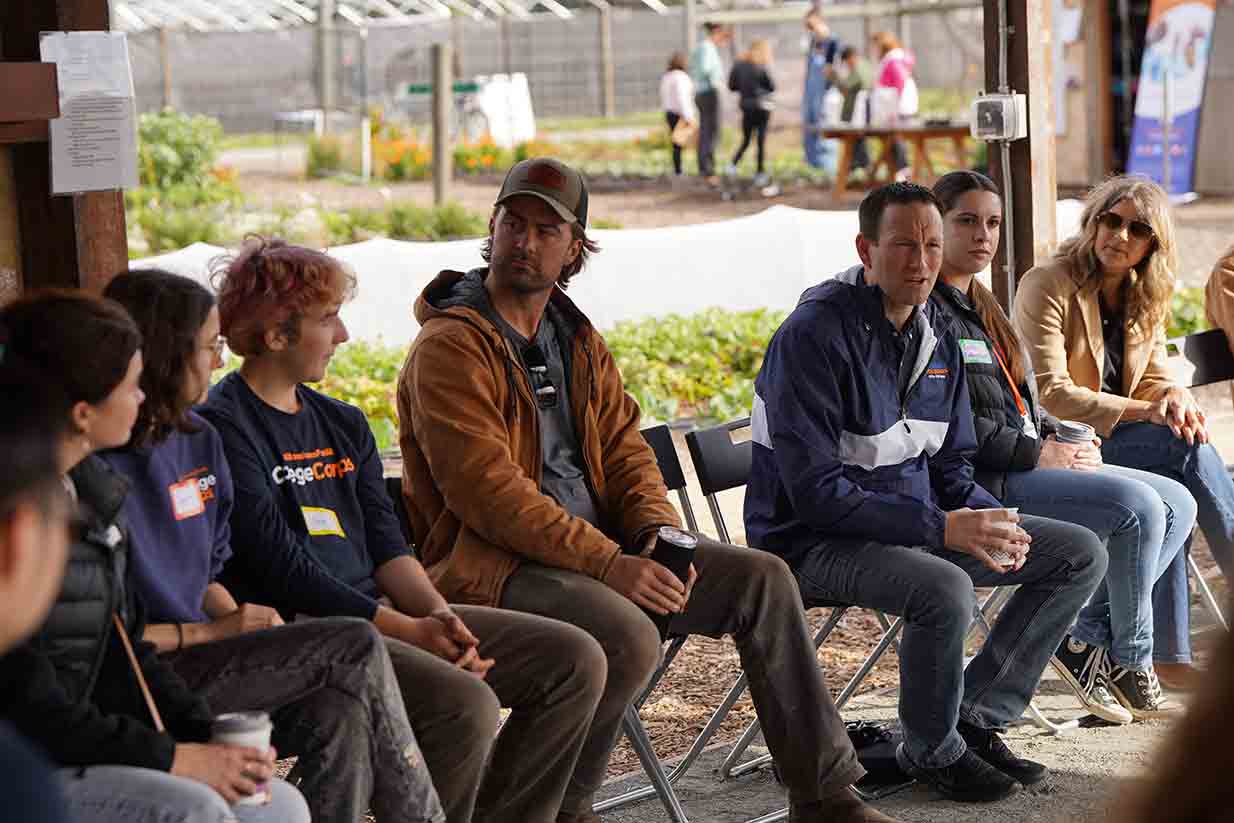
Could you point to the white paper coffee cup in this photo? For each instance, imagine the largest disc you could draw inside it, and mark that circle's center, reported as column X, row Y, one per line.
column 251, row 730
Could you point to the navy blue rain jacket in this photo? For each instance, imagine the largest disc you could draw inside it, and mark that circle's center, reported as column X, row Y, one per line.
column 838, row 451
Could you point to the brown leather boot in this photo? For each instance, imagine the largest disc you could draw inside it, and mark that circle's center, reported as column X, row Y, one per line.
column 843, row 807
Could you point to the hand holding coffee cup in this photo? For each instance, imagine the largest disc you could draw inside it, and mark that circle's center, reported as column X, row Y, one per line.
column 249, row 730
column 982, row 532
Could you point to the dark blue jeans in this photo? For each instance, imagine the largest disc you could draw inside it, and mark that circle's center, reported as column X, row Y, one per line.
column 933, row 590
column 1155, row 449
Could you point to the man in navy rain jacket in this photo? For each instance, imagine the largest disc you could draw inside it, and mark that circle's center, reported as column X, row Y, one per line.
column 861, row 481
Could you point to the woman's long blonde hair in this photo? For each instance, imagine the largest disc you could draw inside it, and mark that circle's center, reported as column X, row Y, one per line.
column 1151, row 283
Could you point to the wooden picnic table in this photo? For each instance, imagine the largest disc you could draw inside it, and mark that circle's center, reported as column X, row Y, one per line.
column 915, row 135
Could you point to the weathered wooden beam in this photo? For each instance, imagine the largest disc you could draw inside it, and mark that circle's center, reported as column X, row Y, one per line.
column 1033, row 178
column 28, row 91
column 76, row 240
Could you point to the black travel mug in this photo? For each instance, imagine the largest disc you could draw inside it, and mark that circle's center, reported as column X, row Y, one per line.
column 674, row 551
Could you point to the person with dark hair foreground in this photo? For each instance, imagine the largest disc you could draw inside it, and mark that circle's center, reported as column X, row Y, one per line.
column 327, row 684
column 529, row 488
column 314, row 532
column 34, row 544
column 861, row 480
column 86, row 687
column 1143, row 518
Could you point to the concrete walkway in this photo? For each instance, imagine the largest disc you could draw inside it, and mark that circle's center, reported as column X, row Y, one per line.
column 1086, row 765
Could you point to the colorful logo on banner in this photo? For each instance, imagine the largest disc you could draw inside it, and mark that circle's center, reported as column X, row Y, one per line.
column 1179, row 37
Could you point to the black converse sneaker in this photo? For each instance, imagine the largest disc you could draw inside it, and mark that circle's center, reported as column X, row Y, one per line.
column 1140, row 692
column 1084, row 667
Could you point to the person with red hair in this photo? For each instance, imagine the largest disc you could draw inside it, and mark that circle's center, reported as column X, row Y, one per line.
column 314, row 532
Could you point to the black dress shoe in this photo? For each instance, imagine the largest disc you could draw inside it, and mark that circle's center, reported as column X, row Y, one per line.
column 968, row 780
column 991, row 748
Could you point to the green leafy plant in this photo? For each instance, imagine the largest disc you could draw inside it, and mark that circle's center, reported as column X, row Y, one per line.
column 408, row 221
column 325, row 156
column 174, row 148
column 1187, row 312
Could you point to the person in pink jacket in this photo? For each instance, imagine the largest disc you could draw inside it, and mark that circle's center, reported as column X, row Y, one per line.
column 895, row 71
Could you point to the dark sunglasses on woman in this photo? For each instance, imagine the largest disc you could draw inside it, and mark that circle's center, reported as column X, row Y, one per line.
column 1136, row 228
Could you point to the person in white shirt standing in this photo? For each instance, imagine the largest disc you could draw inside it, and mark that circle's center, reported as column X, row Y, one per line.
column 677, row 100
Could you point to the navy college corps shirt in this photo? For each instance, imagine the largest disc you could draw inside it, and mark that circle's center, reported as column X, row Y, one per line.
column 312, row 520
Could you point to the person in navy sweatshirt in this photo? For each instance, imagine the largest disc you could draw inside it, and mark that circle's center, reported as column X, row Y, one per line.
column 328, row 684
column 862, row 433
column 315, row 533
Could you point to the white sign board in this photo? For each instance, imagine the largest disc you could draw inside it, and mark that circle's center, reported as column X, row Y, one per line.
column 94, row 141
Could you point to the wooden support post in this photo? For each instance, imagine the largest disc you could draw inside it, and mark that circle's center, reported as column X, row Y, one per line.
column 165, row 66
column 1033, row 181
column 507, row 64
column 443, row 97
column 76, row 240
column 608, row 73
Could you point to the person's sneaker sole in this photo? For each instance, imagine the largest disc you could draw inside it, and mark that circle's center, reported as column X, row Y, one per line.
column 925, row 776
column 1104, row 712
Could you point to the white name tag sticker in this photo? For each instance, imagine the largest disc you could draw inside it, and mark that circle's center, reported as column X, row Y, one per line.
column 1029, row 429
column 186, row 499
column 975, row 351
column 322, row 522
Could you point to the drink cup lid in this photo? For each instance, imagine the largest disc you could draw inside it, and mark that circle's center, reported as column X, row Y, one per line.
column 677, row 537
column 240, row 721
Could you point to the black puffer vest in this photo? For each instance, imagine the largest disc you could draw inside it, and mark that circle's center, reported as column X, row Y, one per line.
column 76, row 633
column 1002, row 444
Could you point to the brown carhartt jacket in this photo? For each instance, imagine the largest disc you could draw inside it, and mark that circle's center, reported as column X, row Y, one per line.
column 1059, row 321
column 469, row 434
column 1219, row 295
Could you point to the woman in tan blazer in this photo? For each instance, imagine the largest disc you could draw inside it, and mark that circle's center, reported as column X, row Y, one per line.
column 1093, row 320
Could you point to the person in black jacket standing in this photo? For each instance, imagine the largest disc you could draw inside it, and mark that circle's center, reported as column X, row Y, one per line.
column 1143, row 518
column 77, row 688
column 751, row 79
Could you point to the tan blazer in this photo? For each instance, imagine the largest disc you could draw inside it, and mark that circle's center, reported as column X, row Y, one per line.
column 1219, row 295
column 1060, row 324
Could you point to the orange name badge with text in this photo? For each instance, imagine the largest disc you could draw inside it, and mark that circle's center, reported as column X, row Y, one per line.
column 186, row 499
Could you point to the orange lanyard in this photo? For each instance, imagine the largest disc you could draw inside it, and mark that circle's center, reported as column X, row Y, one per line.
column 1019, row 401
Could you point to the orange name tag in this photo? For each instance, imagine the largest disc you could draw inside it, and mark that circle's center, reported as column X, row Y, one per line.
column 186, row 499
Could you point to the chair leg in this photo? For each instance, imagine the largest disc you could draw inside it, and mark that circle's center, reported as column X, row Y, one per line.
column 660, row 784
column 1206, row 594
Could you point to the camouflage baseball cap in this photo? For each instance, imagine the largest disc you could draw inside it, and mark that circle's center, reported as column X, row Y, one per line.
column 552, row 181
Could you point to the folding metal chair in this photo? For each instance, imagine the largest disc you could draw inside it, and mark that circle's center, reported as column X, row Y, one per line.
column 721, row 465
column 661, row 441
column 1198, row 360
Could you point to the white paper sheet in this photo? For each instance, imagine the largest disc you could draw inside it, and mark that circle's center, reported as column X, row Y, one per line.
column 94, row 141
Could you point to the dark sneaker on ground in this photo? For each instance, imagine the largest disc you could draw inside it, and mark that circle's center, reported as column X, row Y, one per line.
column 1140, row 693
column 968, row 780
column 1084, row 668
column 989, row 746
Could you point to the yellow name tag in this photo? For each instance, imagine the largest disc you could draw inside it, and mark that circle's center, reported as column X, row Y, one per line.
column 322, row 522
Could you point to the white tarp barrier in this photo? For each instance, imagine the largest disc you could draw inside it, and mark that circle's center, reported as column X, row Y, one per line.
column 764, row 260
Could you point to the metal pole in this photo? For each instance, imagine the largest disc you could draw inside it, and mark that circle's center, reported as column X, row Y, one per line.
column 165, row 66
column 443, row 96
column 1167, row 126
column 608, row 73
column 1005, row 155
column 690, row 23
column 326, row 56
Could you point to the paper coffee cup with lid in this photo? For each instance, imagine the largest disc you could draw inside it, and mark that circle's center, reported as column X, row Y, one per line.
column 1072, row 431
column 250, row 730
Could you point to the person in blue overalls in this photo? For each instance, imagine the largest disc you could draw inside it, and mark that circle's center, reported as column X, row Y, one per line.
column 821, row 54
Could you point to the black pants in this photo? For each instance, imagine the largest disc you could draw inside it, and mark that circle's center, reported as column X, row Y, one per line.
column 672, row 118
column 753, row 122
column 708, row 104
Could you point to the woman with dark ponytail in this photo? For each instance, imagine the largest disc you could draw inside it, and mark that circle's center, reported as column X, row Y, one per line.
column 1107, row 657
